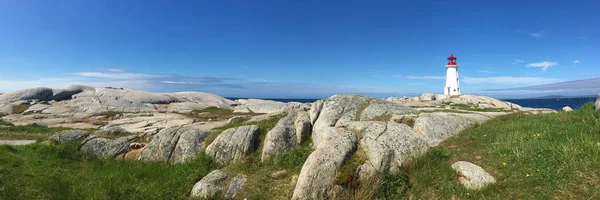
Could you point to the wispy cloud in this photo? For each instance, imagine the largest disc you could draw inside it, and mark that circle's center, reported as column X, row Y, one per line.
column 576, row 61
column 538, row 34
column 544, row 65
column 508, row 80
column 517, row 61
column 123, row 76
column 426, row 77
column 486, row 72
column 115, row 70
column 585, row 84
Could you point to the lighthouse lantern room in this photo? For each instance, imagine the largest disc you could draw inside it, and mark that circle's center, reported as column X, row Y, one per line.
column 452, row 87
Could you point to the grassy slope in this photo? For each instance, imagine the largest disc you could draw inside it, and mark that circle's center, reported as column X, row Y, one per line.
column 61, row 172
column 31, row 132
column 562, row 162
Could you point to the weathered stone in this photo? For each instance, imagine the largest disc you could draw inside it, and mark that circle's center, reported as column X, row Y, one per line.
column 17, row 142
column 262, row 106
column 233, row 144
column 69, row 136
column 472, row 176
column 315, row 110
column 111, row 132
column 318, row 172
column 438, row 127
column 567, row 109
column 387, row 145
column 175, row 144
column 427, row 97
column 236, row 118
column 149, row 125
column 278, row 174
column 598, row 102
column 210, row 185
column 106, row 148
column 291, row 130
column 236, row 184
column 340, row 109
column 241, row 109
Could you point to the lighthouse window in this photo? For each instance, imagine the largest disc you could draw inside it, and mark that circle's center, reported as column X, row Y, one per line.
column 455, row 90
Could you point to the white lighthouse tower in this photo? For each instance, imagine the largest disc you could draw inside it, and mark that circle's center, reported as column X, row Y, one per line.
column 452, row 87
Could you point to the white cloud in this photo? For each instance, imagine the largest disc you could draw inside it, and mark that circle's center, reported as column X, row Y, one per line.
column 544, row 64
column 426, row 77
column 517, row 61
column 509, row 80
column 576, row 61
column 485, row 72
column 115, row 70
column 538, row 34
column 123, row 76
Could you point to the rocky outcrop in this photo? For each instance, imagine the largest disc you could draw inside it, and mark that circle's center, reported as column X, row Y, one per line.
column 233, row 144
column 267, row 106
column 210, row 185
column 431, row 100
column 111, row 132
column 340, row 109
column 175, row 145
column 291, row 130
column 68, row 136
column 315, row 110
column 567, row 109
column 106, row 148
column 318, row 172
column 236, row 184
column 148, row 125
column 472, row 176
column 387, row 145
column 437, row 127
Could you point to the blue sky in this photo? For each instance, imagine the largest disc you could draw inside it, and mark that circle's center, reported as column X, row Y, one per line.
column 301, row 49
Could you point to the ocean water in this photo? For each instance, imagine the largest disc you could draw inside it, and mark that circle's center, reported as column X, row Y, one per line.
column 552, row 103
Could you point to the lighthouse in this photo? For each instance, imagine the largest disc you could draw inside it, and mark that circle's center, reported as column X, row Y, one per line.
column 452, row 87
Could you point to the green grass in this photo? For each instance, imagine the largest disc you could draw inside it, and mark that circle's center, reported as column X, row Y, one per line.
column 260, row 184
column 562, row 162
column 476, row 108
column 31, row 132
column 18, row 109
column 60, row 172
column 383, row 118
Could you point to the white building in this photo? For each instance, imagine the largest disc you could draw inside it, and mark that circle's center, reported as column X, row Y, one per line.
column 452, row 87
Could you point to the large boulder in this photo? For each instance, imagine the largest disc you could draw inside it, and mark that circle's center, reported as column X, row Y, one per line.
column 437, row 127
column 387, row 145
column 66, row 93
column 472, row 176
column 262, row 106
column 236, row 184
column 427, row 97
column 68, row 136
column 111, row 132
column 291, row 130
column 148, row 125
column 344, row 108
column 210, row 185
column 318, row 172
column 175, row 145
column 41, row 93
column 106, row 148
column 234, row 143
column 315, row 110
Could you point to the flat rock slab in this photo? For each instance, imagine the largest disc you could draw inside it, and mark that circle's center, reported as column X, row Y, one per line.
column 16, row 142
column 472, row 176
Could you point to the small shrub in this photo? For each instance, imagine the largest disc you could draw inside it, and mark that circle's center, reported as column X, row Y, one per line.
column 346, row 175
column 383, row 118
column 18, row 109
column 393, row 185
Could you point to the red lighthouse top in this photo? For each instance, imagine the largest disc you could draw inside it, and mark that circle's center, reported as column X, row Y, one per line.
column 451, row 60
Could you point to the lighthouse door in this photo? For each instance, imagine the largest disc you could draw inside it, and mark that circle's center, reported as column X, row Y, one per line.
column 448, row 90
